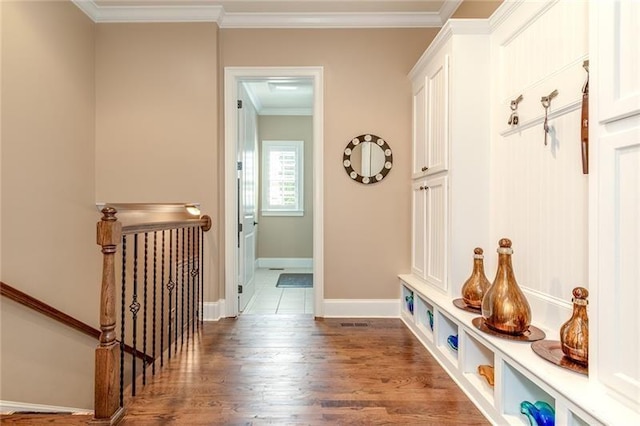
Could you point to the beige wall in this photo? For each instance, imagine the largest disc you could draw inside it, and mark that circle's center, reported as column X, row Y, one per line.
column 366, row 228
column 476, row 9
column 48, row 217
column 156, row 119
column 288, row 236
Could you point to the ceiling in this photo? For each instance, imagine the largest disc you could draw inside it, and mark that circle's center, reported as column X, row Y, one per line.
column 281, row 96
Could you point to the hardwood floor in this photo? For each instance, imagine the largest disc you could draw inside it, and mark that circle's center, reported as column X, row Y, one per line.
column 296, row 370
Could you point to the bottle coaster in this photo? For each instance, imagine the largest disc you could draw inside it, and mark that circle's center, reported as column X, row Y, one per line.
column 531, row 335
column 459, row 303
column 551, row 351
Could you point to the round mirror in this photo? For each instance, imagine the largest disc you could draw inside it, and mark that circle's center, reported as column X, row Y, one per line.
column 367, row 159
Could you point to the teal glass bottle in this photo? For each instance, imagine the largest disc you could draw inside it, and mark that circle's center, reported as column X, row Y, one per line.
column 539, row 413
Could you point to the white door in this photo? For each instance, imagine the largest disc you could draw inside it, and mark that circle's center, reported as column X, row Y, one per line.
column 247, row 197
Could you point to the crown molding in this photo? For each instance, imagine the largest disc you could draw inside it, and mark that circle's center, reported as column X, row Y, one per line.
column 217, row 14
column 111, row 14
column 448, row 8
column 451, row 27
column 503, row 12
column 331, row 20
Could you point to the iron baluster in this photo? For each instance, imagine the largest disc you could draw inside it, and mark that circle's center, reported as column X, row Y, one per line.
column 175, row 310
column 182, row 294
column 144, row 316
column 155, row 276
column 123, row 316
column 170, row 286
column 188, row 281
column 194, row 279
column 134, row 307
column 196, row 258
column 202, row 274
column 162, row 306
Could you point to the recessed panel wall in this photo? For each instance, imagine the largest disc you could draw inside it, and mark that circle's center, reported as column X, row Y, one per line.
column 539, row 193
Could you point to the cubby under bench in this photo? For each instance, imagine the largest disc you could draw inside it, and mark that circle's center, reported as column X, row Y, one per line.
column 519, row 373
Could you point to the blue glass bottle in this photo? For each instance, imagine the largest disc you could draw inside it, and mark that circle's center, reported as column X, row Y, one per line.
column 409, row 300
column 539, row 413
column 453, row 342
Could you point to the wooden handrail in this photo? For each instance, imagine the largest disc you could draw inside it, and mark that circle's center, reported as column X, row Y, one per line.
column 204, row 222
column 43, row 308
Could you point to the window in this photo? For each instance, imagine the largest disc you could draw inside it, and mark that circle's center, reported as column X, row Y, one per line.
column 282, row 178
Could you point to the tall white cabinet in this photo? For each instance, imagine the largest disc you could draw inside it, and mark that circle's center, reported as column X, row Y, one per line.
column 615, row 196
column 450, row 154
column 452, row 210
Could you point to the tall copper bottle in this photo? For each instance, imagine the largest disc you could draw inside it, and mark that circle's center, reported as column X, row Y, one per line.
column 504, row 307
column 476, row 286
column 574, row 334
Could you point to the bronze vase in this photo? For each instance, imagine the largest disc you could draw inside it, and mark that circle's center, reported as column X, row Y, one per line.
column 505, row 309
column 574, row 334
column 475, row 287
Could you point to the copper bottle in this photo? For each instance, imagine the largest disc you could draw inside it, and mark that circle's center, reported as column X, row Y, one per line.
column 574, row 334
column 504, row 307
column 475, row 287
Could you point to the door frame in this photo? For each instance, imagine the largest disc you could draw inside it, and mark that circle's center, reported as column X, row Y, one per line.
column 232, row 77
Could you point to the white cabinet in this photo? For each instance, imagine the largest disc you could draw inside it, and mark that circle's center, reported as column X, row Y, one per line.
column 615, row 193
column 450, row 154
column 615, row 37
column 431, row 115
column 430, row 214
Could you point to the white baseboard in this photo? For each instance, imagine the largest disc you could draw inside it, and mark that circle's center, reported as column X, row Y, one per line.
column 213, row 311
column 361, row 308
column 284, row 262
column 7, row 407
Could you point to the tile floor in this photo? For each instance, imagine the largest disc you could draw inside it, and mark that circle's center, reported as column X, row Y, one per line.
column 270, row 299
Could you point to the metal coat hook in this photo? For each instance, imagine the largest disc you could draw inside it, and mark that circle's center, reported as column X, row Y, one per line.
column 514, row 119
column 546, row 102
column 584, row 121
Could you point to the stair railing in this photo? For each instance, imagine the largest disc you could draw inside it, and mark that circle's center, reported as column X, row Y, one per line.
column 43, row 308
column 171, row 268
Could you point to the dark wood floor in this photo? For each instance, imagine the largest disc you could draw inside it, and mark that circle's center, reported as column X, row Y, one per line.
column 294, row 370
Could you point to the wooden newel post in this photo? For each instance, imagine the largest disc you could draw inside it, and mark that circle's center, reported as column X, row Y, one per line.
column 107, row 397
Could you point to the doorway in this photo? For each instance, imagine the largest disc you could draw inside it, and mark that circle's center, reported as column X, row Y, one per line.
column 235, row 265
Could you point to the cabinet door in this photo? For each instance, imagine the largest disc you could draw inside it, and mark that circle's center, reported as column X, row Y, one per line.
column 419, row 127
column 437, row 126
column 419, row 234
column 436, row 243
column 619, row 62
column 618, row 271
column 616, row 236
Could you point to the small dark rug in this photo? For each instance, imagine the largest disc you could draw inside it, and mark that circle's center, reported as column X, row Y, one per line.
column 295, row 281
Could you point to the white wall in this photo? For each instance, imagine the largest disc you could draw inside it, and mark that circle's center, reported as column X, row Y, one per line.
column 538, row 192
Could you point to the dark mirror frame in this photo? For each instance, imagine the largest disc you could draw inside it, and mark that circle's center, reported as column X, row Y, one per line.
column 388, row 159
